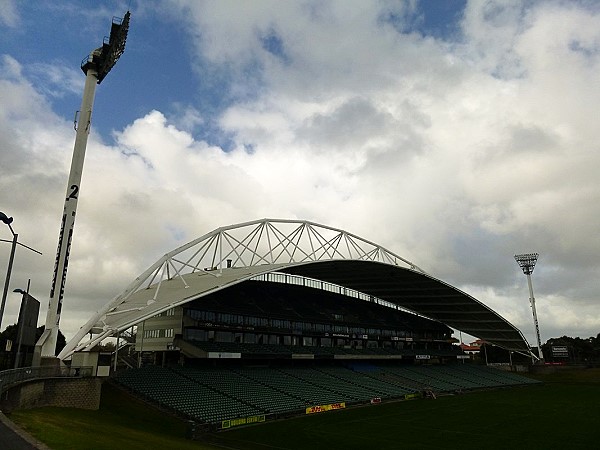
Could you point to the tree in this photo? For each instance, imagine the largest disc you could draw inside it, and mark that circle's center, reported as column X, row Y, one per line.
column 580, row 350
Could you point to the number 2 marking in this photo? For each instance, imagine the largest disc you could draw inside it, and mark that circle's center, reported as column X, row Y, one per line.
column 74, row 192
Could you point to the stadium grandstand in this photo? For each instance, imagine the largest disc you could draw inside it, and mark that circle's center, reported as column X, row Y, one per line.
column 273, row 318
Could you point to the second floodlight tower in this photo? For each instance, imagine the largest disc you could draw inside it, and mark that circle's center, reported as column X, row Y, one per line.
column 527, row 264
column 96, row 66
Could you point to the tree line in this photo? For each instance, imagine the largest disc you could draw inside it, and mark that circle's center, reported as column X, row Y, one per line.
column 565, row 349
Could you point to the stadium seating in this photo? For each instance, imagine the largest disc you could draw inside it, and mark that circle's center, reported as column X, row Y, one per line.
column 212, row 394
column 178, row 393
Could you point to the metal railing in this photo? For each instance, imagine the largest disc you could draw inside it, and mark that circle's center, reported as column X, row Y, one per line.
column 12, row 377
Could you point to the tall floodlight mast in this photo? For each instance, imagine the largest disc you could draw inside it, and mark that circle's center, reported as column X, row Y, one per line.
column 527, row 263
column 96, row 66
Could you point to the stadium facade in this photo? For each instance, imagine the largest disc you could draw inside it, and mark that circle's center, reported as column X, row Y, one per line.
column 291, row 289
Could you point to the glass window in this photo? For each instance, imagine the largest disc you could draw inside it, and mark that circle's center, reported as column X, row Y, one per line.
column 224, row 318
column 195, row 335
column 223, row 336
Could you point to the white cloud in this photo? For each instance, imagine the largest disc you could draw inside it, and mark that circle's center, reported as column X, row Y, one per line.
column 9, row 15
column 455, row 155
column 57, row 79
column 492, row 136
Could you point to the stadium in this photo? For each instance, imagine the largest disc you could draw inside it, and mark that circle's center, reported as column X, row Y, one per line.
column 254, row 322
column 276, row 318
column 291, row 334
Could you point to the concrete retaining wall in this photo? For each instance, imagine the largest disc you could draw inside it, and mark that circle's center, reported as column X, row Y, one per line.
column 83, row 393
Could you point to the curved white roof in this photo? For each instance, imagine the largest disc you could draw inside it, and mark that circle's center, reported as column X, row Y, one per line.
column 236, row 253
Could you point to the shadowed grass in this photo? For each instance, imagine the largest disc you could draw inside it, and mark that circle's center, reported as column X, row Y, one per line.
column 122, row 422
column 552, row 416
column 562, row 413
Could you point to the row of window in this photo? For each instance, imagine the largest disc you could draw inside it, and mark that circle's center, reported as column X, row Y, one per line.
column 286, row 278
column 304, row 341
column 166, row 333
column 250, row 321
column 168, row 312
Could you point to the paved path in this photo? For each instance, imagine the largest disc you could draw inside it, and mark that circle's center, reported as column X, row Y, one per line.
column 12, row 438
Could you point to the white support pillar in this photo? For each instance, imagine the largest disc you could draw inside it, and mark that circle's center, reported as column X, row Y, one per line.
column 46, row 346
column 535, row 319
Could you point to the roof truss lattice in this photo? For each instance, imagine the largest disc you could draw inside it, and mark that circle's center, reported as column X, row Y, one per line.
column 236, row 253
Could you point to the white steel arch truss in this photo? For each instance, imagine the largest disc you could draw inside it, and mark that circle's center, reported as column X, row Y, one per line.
column 268, row 243
column 261, row 242
column 236, row 253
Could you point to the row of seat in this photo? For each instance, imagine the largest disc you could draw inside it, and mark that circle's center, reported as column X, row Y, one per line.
column 213, row 394
column 173, row 391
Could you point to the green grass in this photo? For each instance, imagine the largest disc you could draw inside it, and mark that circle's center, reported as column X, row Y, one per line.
column 570, row 376
column 121, row 422
column 533, row 417
column 561, row 413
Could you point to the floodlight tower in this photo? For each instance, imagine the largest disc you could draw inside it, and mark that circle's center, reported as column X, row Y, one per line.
column 527, row 263
column 96, row 66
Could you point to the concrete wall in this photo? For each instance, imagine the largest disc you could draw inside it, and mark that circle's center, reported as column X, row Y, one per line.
column 83, row 393
column 152, row 334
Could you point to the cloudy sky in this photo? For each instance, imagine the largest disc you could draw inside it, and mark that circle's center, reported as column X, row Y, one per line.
column 454, row 134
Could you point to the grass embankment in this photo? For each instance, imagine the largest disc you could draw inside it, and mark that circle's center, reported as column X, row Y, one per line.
column 562, row 413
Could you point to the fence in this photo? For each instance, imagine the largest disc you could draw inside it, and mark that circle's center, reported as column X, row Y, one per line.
column 9, row 378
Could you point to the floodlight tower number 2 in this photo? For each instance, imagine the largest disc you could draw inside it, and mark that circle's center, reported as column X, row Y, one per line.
column 96, row 66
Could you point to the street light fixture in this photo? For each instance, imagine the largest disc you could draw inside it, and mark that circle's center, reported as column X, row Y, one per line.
column 527, row 263
column 8, row 220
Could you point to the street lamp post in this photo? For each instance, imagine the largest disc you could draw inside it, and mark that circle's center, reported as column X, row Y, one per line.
column 8, row 220
column 15, row 240
column 527, row 263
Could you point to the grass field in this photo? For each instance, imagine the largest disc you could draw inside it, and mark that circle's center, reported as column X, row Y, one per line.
column 122, row 422
column 561, row 413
